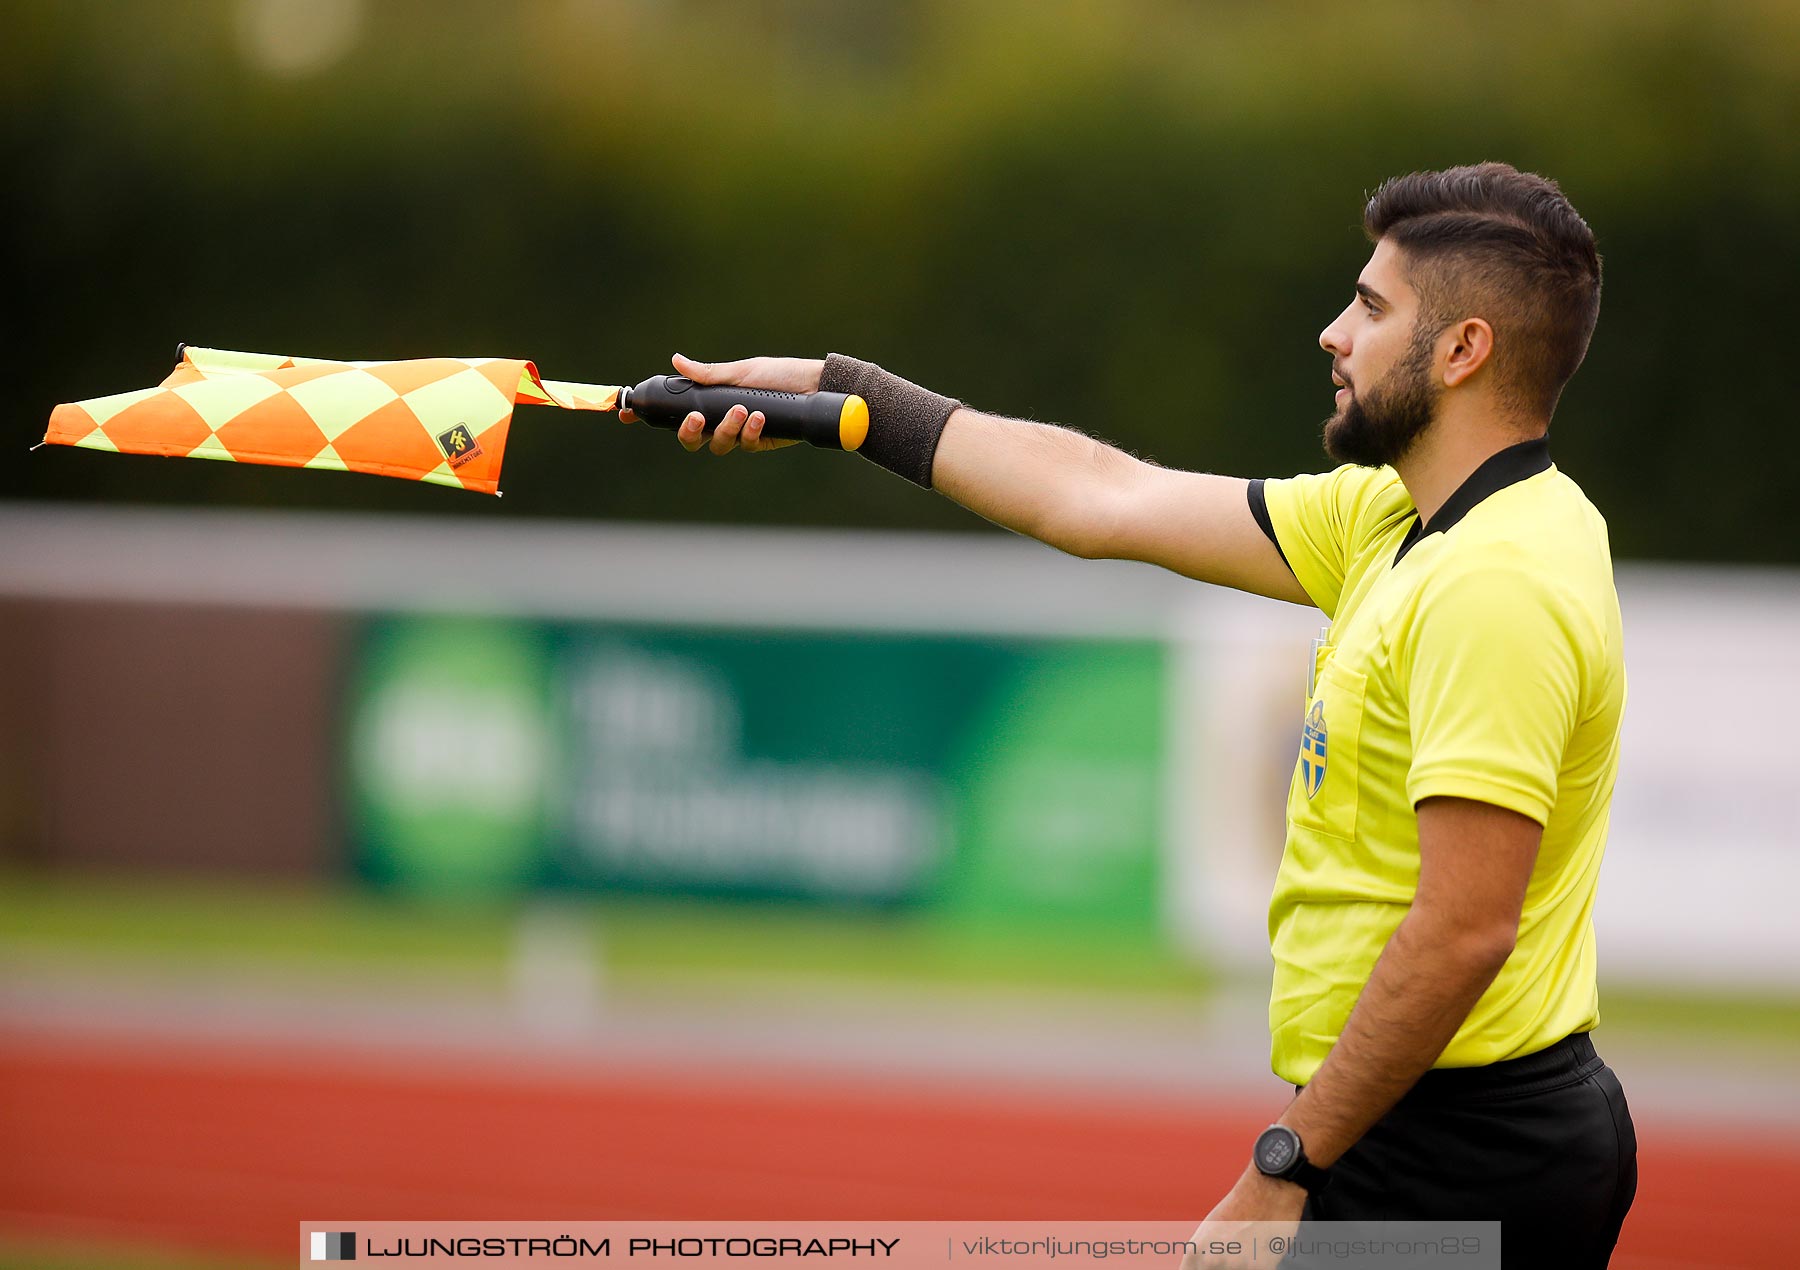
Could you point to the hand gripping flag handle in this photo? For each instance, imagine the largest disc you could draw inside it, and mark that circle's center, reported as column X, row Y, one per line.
column 829, row 420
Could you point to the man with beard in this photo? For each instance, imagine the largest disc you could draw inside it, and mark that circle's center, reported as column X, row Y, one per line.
column 1431, row 923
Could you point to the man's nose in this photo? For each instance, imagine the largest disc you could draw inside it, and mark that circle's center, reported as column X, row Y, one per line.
column 1335, row 339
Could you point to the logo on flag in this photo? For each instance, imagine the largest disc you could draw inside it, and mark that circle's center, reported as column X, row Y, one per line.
column 459, row 445
column 1312, row 749
column 334, row 1245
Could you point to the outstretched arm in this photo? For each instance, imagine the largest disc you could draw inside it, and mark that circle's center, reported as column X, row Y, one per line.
column 1093, row 500
column 1062, row 487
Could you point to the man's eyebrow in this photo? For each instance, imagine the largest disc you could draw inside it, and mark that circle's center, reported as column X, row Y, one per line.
column 1370, row 294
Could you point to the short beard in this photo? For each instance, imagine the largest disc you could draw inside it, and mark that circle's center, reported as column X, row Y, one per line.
column 1381, row 427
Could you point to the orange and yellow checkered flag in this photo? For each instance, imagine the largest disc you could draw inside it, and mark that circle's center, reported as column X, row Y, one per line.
column 437, row 419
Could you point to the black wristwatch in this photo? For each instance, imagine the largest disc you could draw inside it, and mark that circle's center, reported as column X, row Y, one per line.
column 1278, row 1153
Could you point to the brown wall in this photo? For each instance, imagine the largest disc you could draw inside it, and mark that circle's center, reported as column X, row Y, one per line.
column 168, row 737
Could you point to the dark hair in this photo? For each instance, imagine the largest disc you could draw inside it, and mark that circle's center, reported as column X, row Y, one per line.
column 1493, row 242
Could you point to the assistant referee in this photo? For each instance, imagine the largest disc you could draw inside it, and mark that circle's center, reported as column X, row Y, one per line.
column 1431, row 923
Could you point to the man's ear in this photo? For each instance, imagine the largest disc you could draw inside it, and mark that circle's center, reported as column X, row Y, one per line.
column 1471, row 344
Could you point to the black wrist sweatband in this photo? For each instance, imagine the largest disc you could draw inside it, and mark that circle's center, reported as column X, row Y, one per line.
column 905, row 420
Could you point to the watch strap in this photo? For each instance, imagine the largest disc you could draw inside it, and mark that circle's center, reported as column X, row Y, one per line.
column 1310, row 1176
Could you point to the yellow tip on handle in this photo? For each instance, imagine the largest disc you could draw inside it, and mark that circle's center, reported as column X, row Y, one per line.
column 853, row 423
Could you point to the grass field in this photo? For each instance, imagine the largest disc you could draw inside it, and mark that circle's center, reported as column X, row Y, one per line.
column 193, row 924
column 196, row 924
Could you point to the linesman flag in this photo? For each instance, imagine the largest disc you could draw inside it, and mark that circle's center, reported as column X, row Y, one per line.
column 437, row 419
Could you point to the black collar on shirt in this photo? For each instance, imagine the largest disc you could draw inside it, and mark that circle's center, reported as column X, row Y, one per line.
column 1508, row 467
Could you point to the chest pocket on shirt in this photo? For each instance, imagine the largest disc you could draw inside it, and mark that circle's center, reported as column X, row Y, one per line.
column 1324, row 790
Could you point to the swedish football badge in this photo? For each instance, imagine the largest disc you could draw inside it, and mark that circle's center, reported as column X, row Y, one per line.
column 1312, row 749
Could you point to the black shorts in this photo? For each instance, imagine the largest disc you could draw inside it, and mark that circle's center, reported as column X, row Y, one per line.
column 1544, row 1144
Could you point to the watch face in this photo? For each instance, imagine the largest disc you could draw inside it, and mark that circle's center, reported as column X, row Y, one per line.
column 1276, row 1150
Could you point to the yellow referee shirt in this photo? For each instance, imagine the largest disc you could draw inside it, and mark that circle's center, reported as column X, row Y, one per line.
column 1478, row 656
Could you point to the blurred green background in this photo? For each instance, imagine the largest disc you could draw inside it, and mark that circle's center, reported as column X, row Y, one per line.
column 1132, row 218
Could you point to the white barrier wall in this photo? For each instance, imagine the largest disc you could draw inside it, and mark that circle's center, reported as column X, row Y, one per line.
column 1701, row 872
column 1701, row 881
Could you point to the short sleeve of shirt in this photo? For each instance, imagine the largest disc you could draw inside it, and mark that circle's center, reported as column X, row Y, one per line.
column 1492, row 662
column 1318, row 522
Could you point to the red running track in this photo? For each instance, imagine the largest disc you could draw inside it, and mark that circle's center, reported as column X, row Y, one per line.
column 228, row 1149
